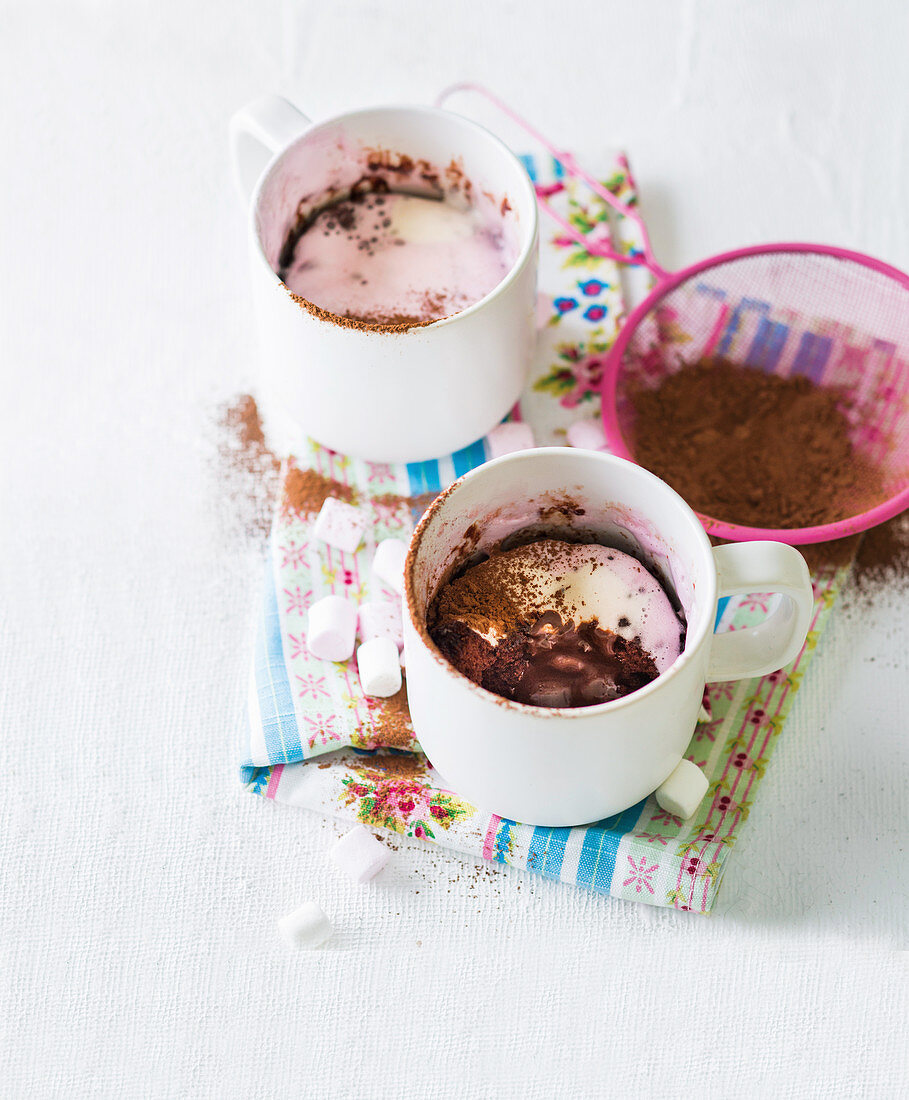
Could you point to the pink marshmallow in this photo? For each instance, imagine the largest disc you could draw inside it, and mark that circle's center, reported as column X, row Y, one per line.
column 587, row 434
column 381, row 619
column 388, row 563
column 505, row 439
column 332, row 628
column 340, row 525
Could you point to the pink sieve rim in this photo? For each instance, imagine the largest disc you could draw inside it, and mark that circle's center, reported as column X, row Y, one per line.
column 612, row 367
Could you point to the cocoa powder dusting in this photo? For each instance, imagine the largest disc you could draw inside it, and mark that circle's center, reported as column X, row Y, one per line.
column 752, row 448
column 399, row 765
column 391, row 720
column 882, row 562
column 492, row 595
column 390, row 326
column 248, row 468
column 420, row 502
column 305, row 491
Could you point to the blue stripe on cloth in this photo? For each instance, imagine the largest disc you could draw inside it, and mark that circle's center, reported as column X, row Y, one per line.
column 547, row 850
column 424, row 477
column 812, row 356
column 768, row 344
column 415, row 477
column 746, row 305
column 601, row 846
column 276, row 704
column 721, row 604
column 558, row 169
column 468, row 458
column 529, row 165
column 504, row 841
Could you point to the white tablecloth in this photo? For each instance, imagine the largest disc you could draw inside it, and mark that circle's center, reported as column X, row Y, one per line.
column 137, row 942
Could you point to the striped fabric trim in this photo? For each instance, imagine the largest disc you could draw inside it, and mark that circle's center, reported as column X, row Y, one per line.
column 276, row 715
column 600, row 848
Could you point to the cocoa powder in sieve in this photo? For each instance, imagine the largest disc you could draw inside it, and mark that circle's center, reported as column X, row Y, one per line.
column 751, row 448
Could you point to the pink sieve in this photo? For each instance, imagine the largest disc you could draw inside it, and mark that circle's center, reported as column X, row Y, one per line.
column 837, row 317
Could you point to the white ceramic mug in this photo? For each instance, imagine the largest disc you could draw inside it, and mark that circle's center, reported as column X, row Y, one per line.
column 549, row 766
column 392, row 396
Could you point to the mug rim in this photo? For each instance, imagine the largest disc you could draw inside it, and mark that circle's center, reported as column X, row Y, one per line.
column 612, row 705
column 528, row 246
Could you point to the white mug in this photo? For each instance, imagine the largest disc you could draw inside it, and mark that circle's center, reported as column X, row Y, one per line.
column 569, row 766
column 390, row 396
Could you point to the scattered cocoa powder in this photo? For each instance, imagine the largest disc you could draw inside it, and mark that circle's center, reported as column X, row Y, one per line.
column 248, row 470
column 824, row 558
column 305, row 491
column 882, row 562
column 392, row 723
column 419, row 502
column 747, row 447
column 401, row 765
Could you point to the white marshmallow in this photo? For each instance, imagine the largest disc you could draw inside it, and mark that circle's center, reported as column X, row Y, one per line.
column 388, row 564
column 381, row 619
column 379, row 667
column 505, row 439
column 340, row 525
column 359, row 855
column 682, row 792
column 305, row 927
column 587, row 434
column 332, row 628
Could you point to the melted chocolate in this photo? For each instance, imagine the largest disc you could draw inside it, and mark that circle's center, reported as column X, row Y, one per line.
column 550, row 663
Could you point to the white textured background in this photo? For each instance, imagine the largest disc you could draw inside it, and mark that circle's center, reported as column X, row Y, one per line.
column 140, row 886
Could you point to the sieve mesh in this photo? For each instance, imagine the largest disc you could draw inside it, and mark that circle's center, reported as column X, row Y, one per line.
column 825, row 315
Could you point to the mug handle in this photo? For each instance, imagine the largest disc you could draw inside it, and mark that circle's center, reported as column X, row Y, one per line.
column 747, row 567
column 257, row 132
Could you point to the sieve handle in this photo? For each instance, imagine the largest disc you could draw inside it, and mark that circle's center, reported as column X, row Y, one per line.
column 596, row 247
column 258, row 131
column 747, row 567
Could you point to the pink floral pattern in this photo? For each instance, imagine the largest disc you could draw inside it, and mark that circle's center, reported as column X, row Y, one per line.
column 321, row 729
column 641, row 875
column 297, row 600
column 400, row 802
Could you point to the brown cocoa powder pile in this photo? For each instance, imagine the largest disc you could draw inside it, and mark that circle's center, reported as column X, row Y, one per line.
column 752, row 448
column 305, row 491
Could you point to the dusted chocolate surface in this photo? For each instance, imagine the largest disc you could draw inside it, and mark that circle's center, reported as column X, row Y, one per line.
column 557, row 624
